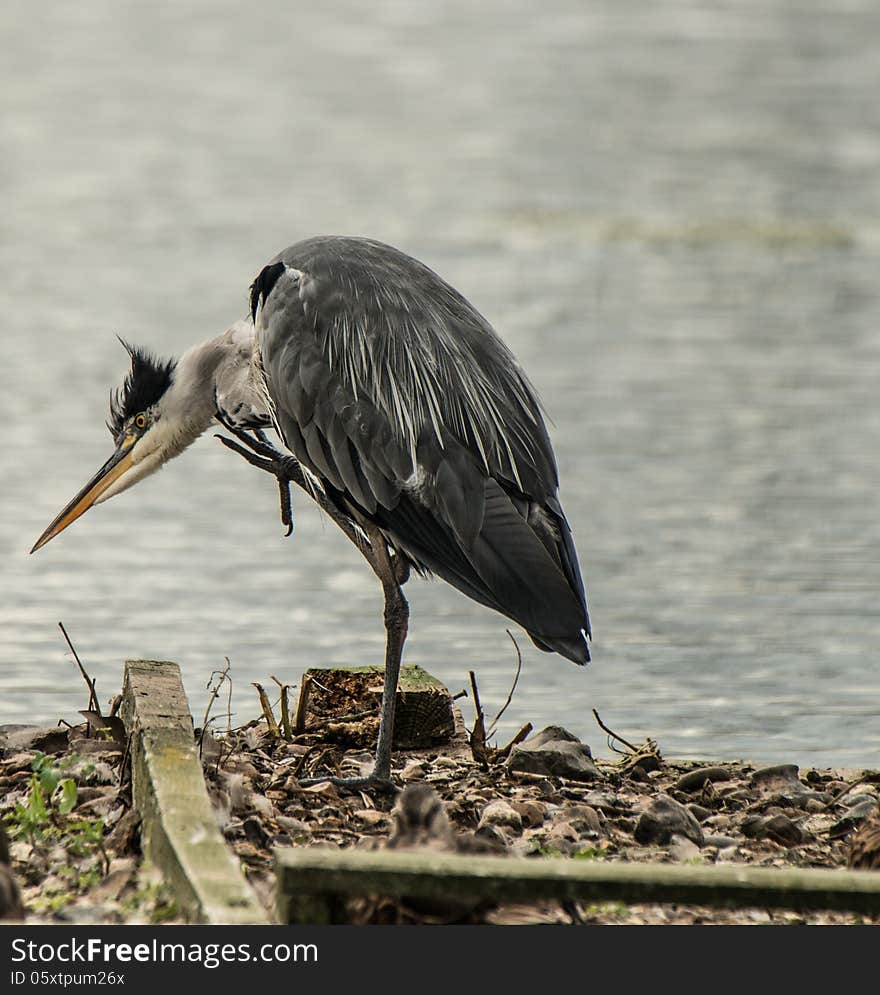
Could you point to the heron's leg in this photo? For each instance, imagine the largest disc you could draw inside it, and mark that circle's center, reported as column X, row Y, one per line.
column 287, row 470
column 396, row 626
column 392, row 571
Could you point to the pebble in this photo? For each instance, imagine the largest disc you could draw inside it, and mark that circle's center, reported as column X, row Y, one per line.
column 45, row 739
column 721, row 842
column 531, row 812
column 371, row 816
column 604, row 802
column 776, row 778
column 500, row 813
column 293, row 827
column 664, row 818
column 854, row 816
column 682, row 849
column 583, row 817
column 492, row 835
column 556, row 752
column 699, row 812
column 413, row 771
column 777, row 827
column 694, row 780
column 255, row 833
column 562, row 836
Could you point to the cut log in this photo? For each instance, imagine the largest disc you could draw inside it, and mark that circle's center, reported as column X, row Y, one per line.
column 343, row 702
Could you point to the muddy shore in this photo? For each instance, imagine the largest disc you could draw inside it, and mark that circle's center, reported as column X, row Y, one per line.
column 75, row 850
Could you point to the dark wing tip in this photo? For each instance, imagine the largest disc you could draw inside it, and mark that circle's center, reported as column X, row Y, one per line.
column 262, row 286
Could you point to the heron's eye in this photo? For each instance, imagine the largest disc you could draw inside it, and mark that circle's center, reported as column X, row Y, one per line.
column 141, row 421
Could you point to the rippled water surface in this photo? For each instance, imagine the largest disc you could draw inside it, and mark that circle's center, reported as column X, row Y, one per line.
column 672, row 214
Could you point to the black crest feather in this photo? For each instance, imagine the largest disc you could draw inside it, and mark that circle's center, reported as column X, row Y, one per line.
column 262, row 286
column 144, row 384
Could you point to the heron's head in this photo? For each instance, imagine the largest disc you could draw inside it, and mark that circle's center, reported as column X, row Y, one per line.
column 149, row 422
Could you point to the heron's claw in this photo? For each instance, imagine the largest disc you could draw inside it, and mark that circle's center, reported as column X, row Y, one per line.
column 286, row 510
column 266, row 457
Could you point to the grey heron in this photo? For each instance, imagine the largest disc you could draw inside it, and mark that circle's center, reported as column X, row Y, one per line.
column 403, row 414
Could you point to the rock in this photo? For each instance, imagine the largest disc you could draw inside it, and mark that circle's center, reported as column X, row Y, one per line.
column 584, row 818
column 664, row 818
column 719, row 821
column 699, row 812
column 555, row 752
column 293, row 827
column 100, row 805
column 90, row 771
column 531, row 812
column 125, row 832
column 682, row 849
column 562, row 836
column 21, row 738
column 492, row 836
column 604, row 802
column 500, row 813
column 413, row 771
column 721, row 842
column 778, row 778
column 694, row 780
column 371, row 816
column 728, row 855
column 854, row 816
column 777, row 827
column 121, row 875
column 255, row 833
column 262, row 805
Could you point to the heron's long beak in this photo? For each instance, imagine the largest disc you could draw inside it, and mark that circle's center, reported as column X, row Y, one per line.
column 110, row 472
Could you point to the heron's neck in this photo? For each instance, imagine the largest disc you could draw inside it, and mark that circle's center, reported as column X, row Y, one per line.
column 213, row 374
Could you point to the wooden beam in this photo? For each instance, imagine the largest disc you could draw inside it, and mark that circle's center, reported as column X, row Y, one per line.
column 309, row 880
column 179, row 831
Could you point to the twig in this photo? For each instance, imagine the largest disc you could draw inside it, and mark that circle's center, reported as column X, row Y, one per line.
column 285, row 709
column 93, row 697
column 221, row 675
column 478, row 733
column 512, row 686
column 267, row 710
column 860, row 780
column 299, row 718
column 297, row 770
column 614, row 735
column 518, row 738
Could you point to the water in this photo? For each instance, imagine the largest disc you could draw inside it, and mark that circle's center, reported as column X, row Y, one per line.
column 671, row 212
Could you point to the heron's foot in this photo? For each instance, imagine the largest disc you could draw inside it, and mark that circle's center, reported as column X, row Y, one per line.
column 259, row 452
column 373, row 782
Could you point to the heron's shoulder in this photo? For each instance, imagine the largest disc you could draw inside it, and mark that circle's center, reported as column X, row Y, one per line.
column 341, row 273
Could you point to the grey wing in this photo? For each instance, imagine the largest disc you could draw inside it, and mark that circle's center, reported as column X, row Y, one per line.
column 237, row 394
column 459, row 496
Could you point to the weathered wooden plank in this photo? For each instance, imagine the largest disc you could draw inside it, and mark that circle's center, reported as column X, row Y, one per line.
column 308, row 879
column 180, row 834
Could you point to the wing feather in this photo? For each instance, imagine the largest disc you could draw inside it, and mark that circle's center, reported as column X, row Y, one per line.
column 390, row 387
